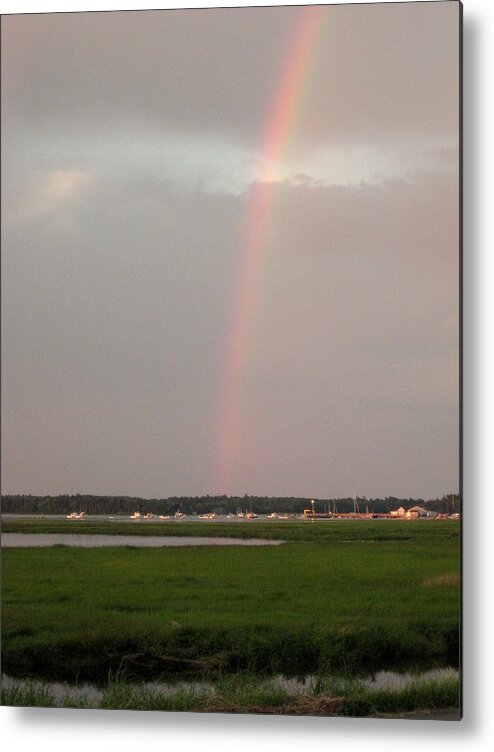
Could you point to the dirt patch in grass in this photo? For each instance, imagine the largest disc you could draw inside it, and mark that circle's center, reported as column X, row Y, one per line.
column 316, row 706
column 442, row 580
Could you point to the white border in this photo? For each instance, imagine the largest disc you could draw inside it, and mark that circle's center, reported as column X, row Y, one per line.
column 48, row 6
column 54, row 730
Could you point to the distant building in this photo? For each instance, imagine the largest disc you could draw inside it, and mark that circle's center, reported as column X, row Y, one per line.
column 398, row 512
column 419, row 512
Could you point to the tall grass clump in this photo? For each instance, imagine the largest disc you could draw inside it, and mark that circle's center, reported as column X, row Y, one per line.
column 244, row 691
column 28, row 694
column 419, row 694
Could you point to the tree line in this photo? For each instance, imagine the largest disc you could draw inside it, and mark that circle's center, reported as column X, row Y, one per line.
column 125, row 505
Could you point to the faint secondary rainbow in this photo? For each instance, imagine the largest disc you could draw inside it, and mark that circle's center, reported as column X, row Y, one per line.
column 279, row 126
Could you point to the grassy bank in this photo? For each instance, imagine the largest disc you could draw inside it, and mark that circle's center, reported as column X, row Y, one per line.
column 248, row 694
column 341, row 597
column 424, row 532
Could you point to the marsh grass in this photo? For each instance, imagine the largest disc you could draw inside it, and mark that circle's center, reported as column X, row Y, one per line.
column 322, row 531
column 32, row 694
column 321, row 603
column 244, row 693
column 362, row 700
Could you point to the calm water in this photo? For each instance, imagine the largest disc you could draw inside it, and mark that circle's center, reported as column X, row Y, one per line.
column 24, row 540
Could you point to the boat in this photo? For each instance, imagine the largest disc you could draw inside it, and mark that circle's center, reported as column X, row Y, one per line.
column 135, row 515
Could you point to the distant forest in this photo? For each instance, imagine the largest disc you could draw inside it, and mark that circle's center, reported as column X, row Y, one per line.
column 26, row 504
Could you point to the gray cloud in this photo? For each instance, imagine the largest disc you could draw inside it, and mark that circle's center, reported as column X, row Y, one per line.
column 356, row 341
column 378, row 71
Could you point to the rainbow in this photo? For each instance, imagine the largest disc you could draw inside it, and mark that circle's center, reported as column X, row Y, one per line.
column 278, row 129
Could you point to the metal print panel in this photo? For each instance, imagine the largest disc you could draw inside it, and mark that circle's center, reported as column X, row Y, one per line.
column 231, row 357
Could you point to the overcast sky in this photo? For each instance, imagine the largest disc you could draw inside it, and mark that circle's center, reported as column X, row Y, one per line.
column 131, row 144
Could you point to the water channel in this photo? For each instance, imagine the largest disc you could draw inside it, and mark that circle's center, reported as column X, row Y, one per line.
column 93, row 694
column 28, row 540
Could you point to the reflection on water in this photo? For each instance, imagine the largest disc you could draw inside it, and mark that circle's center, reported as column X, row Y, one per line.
column 23, row 540
column 379, row 680
column 308, row 686
column 93, row 695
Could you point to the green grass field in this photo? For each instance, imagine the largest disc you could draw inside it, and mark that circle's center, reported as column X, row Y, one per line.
column 340, row 596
